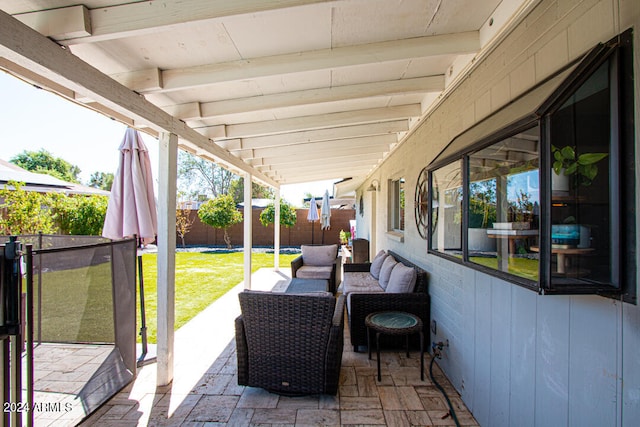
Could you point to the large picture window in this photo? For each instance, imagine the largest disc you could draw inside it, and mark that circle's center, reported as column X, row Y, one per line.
column 504, row 205
column 548, row 201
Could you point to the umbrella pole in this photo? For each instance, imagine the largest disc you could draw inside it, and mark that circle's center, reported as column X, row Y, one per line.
column 312, row 223
column 143, row 319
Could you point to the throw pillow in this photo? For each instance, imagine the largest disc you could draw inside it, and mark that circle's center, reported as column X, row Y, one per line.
column 376, row 265
column 319, row 255
column 402, row 280
column 385, row 271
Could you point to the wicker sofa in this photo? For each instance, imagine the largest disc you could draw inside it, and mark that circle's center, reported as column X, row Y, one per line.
column 318, row 262
column 366, row 295
column 290, row 343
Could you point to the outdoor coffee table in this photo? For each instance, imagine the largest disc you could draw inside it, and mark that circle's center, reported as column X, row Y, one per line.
column 394, row 323
column 299, row 286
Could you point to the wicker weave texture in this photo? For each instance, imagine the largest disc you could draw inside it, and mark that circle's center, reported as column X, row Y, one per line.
column 292, row 343
column 363, row 304
column 334, row 279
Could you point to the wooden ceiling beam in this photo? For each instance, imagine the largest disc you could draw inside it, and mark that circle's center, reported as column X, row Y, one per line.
column 31, row 50
column 311, row 168
column 139, row 18
column 269, row 127
column 379, row 143
column 328, row 134
column 327, row 174
column 316, row 60
column 271, row 163
column 323, row 95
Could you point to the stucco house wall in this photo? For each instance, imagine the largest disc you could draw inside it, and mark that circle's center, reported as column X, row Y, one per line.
column 516, row 357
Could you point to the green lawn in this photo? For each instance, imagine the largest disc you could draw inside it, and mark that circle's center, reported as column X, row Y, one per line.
column 201, row 278
column 523, row 267
column 77, row 303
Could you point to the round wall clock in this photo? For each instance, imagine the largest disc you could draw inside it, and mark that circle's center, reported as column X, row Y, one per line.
column 422, row 203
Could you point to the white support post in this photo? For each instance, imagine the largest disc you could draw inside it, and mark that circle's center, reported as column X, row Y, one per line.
column 276, row 233
column 168, row 165
column 248, row 241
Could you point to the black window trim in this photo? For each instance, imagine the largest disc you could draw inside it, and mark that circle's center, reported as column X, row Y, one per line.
column 625, row 269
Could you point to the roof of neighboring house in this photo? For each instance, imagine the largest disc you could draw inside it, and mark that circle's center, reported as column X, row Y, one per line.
column 43, row 183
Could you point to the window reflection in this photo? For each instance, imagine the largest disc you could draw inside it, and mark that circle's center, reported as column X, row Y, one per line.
column 580, row 209
column 446, row 206
column 504, row 205
column 396, row 204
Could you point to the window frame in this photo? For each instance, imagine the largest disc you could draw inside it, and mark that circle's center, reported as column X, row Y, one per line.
column 396, row 213
column 621, row 202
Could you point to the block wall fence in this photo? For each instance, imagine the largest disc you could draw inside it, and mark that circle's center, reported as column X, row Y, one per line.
column 303, row 232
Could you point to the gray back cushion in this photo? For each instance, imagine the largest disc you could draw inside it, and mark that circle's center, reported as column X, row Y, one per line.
column 402, row 280
column 385, row 271
column 319, row 255
column 376, row 265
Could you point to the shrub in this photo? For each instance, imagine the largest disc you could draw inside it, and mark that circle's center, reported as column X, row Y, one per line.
column 81, row 215
column 25, row 212
column 220, row 212
column 287, row 214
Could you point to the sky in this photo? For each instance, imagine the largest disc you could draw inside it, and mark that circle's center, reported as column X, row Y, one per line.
column 32, row 119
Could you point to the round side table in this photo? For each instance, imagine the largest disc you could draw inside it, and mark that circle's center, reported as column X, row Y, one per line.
column 394, row 323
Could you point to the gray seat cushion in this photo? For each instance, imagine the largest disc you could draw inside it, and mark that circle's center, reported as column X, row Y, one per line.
column 360, row 282
column 314, row 272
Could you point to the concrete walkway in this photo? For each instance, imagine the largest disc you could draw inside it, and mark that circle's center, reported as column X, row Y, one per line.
column 205, row 391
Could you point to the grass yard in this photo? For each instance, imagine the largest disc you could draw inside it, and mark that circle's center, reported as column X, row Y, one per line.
column 201, row 278
column 523, row 267
column 76, row 305
column 77, row 302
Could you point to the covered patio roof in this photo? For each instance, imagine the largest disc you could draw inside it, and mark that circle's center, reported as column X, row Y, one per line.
column 279, row 91
column 290, row 91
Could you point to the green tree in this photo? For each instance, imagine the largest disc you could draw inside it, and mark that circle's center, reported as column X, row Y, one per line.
column 183, row 223
column 287, row 214
column 101, row 180
column 199, row 176
column 81, row 215
column 220, row 212
column 236, row 189
column 25, row 212
column 44, row 162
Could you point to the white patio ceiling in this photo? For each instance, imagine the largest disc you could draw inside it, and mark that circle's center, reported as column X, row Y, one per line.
column 289, row 90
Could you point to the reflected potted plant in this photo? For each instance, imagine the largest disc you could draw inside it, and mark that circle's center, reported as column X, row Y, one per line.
column 344, row 237
column 582, row 167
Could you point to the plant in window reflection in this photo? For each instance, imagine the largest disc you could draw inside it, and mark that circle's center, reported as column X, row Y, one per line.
column 482, row 204
column 582, row 166
column 522, row 208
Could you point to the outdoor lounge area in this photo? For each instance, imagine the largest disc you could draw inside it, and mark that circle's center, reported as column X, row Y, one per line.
column 205, row 389
column 493, row 144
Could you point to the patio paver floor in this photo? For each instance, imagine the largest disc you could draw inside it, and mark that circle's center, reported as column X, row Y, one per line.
column 204, row 391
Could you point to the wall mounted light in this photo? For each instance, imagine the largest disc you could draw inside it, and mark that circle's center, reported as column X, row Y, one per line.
column 375, row 185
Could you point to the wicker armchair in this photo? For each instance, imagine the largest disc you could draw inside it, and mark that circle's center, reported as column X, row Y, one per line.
column 290, row 343
column 329, row 269
column 362, row 304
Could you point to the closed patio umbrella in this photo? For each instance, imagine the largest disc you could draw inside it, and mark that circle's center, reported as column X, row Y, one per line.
column 132, row 207
column 325, row 214
column 312, row 216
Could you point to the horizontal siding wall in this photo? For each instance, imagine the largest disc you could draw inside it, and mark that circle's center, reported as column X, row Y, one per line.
column 516, row 357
